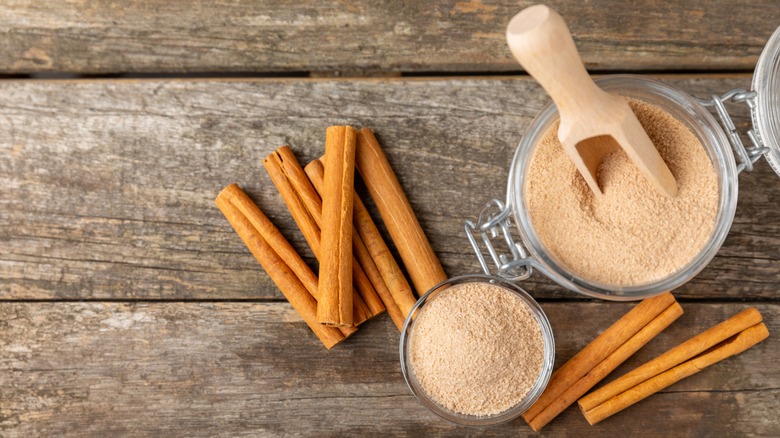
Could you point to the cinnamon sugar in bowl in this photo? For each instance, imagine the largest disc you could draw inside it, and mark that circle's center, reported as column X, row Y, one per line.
column 477, row 350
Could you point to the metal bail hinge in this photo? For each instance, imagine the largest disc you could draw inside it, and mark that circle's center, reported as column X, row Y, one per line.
column 494, row 223
column 746, row 156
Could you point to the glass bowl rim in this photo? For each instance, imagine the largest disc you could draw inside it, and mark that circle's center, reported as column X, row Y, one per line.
column 473, row 420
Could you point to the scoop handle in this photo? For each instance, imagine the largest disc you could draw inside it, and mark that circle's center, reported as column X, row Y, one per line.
column 541, row 42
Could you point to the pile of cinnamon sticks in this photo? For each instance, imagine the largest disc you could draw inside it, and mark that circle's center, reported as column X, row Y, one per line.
column 620, row 341
column 358, row 276
column 724, row 340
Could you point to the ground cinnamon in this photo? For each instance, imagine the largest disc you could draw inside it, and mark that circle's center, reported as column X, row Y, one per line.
column 476, row 349
column 407, row 234
column 243, row 215
column 631, row 234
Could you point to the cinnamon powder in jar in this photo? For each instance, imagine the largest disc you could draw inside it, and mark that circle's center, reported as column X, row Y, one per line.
column 632, row 234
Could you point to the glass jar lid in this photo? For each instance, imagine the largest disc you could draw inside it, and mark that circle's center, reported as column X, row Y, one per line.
column 766, row 110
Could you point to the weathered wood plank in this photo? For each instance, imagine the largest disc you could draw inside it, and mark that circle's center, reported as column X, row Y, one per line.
column 368, row 35
column 207, row 369
column 107, row 187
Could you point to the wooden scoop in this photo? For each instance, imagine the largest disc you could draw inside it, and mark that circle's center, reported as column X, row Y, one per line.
column 594, row 123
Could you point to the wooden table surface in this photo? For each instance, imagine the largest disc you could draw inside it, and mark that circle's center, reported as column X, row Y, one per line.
column 128, row 306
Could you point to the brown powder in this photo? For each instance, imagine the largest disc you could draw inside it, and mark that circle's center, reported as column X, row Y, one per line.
column 477, row 349
column 632, row 235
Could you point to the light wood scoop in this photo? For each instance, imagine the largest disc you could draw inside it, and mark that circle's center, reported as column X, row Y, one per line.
column 594, row 123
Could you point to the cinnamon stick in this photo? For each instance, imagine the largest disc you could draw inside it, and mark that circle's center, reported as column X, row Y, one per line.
column 335, row 306
column 309, row 228
column 598, row 350
column 266, row 254
column 673, row 357
column 305, row 199
column 380, row 253
column 399, row 287
column 271, row 234
column 373, row 274
column 729, row 347
column 384, row 279
column 238, row 199
column 606, row 366
column 407, row 234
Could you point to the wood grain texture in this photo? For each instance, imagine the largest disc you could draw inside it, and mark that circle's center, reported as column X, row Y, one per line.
column 107, row 187
column 227, row 369
column 148, row 36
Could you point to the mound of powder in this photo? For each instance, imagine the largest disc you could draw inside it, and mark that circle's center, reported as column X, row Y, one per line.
column 633, row 234
column 477, row 349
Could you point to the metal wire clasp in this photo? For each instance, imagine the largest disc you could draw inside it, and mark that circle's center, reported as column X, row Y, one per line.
column 494, row 224
column 746, row 155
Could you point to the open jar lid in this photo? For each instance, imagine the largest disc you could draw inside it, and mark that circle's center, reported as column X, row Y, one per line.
column 766, row 109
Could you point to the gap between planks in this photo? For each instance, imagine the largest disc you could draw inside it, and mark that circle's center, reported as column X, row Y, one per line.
column 415, row 77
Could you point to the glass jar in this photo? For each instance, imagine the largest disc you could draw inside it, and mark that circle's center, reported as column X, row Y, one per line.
column 471, row 420
column 726, row 151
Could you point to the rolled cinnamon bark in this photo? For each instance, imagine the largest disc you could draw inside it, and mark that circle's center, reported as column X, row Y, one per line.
column 271, row 234
column 306, row 208
column 335, row 305
column 402, row 224
column 733, row 345
column 268, row 257
column 368, row 244
column 673, row 357
column 606, row 366
column 372, row 272
column 598, row 350
column 275, row 166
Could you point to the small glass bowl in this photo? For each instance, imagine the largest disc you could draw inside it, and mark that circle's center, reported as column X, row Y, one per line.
column 474, row 420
